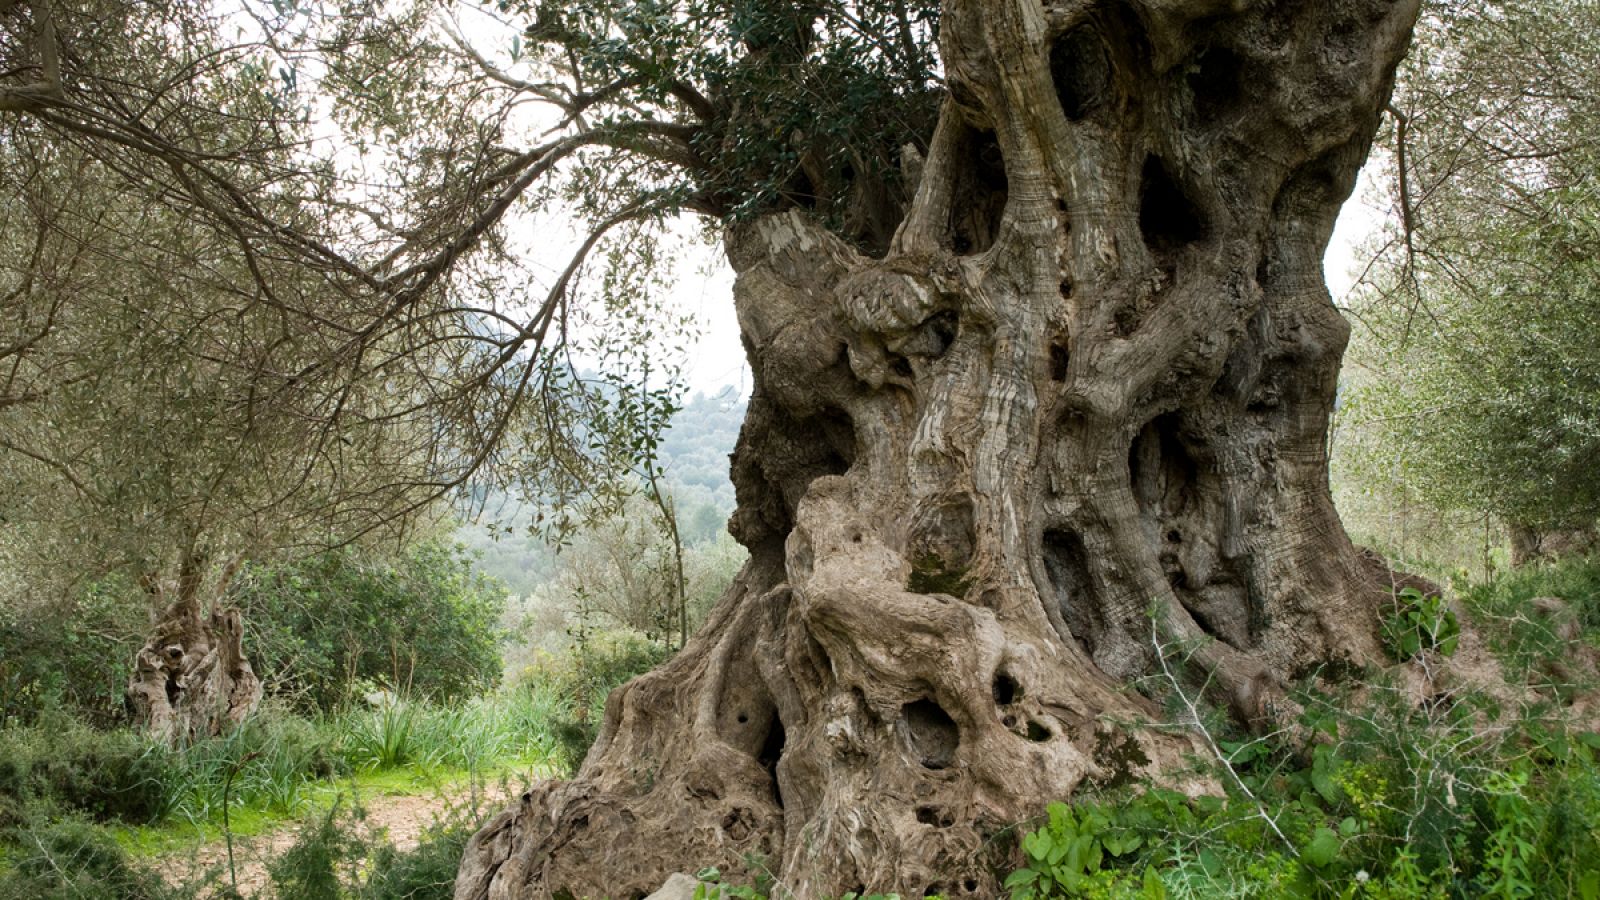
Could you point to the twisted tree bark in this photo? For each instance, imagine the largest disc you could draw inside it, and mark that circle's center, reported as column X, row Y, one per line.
column 1085, row 393
column 191, row 679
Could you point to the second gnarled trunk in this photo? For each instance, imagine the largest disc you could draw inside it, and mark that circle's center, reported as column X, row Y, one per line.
column 1077, row 412
column 191, row 679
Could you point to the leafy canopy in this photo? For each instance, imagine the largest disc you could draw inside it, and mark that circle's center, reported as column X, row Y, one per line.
column 1482, row 311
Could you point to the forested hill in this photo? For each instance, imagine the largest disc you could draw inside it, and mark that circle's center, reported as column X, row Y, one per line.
column 694, row 453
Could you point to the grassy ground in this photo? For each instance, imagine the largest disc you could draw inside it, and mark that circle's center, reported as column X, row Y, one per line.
column 318, row 798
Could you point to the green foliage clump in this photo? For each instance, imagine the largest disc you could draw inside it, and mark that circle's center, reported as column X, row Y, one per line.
column 1065, row 854
column 1576, row 581
column 398, row 731
column 1421, row 622
column 266, row 763
column 315, row 866
column 1376, row 796
column 74, row 860
column 1389, row 802
column 425, row 872
column 580, row 679
column 62, row 764
column 334, row 858
column 1478, row 320
column 1539, row 644
column 73, row 653
column 420, row 623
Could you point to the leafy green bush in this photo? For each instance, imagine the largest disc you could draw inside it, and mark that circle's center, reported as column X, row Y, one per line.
column 63, row 764
column 427, row 871
column 1390, row 801
column 421, row 624
column 576, row 682
column 1064, row 854
column 321, row 858
column 72, row 653
column 332, row 857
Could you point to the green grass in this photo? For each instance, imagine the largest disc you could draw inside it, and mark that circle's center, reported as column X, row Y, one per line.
column 277, row 768
column 174, row 835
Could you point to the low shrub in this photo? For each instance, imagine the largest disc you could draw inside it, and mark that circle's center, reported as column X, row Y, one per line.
column 1456, row 798
column 321, row 631
column 427, row 871
column 63, row 764
column 75, row 860
column 334, row 856
column 322, row 859
column 71, row 653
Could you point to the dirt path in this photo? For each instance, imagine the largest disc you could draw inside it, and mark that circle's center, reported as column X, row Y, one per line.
column 399, row 819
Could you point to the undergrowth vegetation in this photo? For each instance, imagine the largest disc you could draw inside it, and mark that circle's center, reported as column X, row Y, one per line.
column 268, row 764
column 576, row 682
column 1375, row 795
column 70, row 793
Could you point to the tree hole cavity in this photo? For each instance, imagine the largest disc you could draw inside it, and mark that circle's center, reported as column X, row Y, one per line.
column 1216, row 83
column 1059, row 357
column 942, row 327
column 931, row 732
column 979, row 196
column 936, row 816
column 1066, row 563
column 1080, row 66
column 1006, row 689
column 1168, row 219
column 1163, row 471
column 776, row 459
column 1037, row 733
column 738, row 824
column 772, row 751
column 840, row 434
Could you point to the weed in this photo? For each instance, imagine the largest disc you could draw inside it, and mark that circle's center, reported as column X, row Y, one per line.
column 1420, row 622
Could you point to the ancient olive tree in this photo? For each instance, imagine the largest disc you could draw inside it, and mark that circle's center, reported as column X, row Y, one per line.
column 160, row 418
column 1047, row 394
column 1043, row 366
column 131, row 447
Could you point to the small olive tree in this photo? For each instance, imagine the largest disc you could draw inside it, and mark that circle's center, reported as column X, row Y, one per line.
column 1477, row 385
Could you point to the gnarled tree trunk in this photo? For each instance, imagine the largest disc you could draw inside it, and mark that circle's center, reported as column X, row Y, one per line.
column 191, row 679
column 1530, row 544
column 1081, row 403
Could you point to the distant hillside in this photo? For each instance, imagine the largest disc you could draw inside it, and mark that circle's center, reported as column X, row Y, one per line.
column 694, row 454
